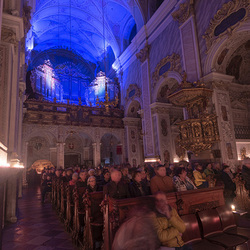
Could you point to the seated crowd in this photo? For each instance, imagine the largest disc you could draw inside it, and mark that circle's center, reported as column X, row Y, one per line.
column 121, row 182
column 126, row 181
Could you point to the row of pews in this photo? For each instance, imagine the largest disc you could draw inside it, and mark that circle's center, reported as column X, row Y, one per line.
column 93, row 219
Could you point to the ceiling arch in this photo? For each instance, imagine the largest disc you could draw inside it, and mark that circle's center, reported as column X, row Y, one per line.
column 81, row 25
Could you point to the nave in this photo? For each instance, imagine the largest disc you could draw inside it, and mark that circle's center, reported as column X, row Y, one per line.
column 38, row 226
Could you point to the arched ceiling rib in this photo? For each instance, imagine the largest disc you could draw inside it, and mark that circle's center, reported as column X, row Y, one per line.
column 78, row 24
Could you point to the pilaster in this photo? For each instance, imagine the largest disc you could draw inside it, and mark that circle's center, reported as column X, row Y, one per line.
column 60, row 154
column 189, row 40
column 147, row 126
column 133, row 145
column 96, row 153
column 163, row 137
column 222, row 105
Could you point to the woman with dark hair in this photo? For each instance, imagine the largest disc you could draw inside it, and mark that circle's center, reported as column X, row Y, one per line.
column 137, row 187
column 181, row 181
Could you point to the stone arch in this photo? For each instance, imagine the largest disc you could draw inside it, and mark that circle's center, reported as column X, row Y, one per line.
column 172, row 82
column 50, row 137
column 78, row 149
column 231, row 42
column 37, row 149
column 109, row 154
column 132, row 107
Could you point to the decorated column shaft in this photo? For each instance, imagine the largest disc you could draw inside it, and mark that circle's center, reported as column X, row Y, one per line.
column 132, row 131
column 147, row 125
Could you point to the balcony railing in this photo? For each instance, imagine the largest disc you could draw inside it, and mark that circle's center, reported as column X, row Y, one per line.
column 44, row 112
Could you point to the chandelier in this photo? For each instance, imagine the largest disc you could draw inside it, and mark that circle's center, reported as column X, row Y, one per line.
column 200, row 130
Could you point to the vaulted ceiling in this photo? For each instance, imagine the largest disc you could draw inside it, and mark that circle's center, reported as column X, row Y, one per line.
column 81, row 25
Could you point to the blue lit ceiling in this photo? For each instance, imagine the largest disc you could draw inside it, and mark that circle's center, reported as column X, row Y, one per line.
column 81, row 25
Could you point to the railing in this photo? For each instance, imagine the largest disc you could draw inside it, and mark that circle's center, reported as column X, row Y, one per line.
column 242, row 132
column 44, row 112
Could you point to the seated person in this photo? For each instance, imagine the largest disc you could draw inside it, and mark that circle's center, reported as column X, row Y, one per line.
column 46, row 187
column 145, row 178
column 106, row 178
column 229, row 185
column 82, row 181
column 161, row 182
column 125, row 177
column 137, row 232
column 92, row 186
column 74, row 179
column 217, row 169
column 169, row 226
column 246, row 172
column 190, row 172
column 57, row 174
column 209, row 171
column 68, row 175
column 137, row 187
column 91, row 172
column 116, row 188
column 181, row 181
column 199, row 177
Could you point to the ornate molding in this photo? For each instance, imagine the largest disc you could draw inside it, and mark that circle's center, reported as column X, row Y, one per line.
column 132, row 91
column 144, row 53
column 184, row 12
column 9, row 36
column 175, row 65
column 220, row 85
column 226, row 10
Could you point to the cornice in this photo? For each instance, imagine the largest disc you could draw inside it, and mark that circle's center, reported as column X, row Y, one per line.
column 14, row 23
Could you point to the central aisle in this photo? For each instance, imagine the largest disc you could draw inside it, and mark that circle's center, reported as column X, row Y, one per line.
column 38, row 226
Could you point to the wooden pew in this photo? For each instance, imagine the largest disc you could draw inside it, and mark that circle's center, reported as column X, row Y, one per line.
column 55, row 183
column 79, row 212
column 69, row 208
column 63, row 203
column 187, row 202
column 93, row 218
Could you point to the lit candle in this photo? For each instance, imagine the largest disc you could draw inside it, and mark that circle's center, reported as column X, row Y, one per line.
column 233, row 207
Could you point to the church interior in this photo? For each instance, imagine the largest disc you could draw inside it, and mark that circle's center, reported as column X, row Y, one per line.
column 120, row 93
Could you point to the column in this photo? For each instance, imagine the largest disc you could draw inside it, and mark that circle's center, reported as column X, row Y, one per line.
column 222, row 105
column 189, row 41
column 53, row 156
column 25, row 162
column 60, row 154
column 132, row 132
column 162, row 130
column 96, row 153
column 11, row 195
column 86, row 153
column 147, row 126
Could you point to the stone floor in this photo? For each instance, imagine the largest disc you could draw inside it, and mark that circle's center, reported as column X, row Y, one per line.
column 38, row 226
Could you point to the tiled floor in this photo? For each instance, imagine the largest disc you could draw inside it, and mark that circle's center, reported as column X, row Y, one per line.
column 38, row 226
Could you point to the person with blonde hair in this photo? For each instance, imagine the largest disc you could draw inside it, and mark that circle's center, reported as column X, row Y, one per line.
column 92, row 186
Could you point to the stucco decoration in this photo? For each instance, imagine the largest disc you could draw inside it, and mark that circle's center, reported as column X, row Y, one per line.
column 167, row 64
column 184, row 12
column 133, row 92
column 144, row 53
column 229, row 17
